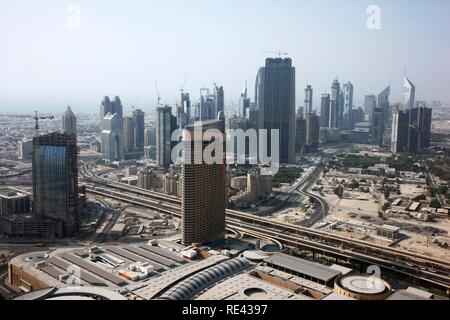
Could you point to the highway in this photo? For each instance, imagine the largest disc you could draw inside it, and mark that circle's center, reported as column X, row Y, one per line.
column 303, row 190
column 429, row 269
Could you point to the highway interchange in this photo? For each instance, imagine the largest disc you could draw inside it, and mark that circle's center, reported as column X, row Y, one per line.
column 425, row 268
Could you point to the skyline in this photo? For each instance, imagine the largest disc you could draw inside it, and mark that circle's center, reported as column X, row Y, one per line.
column 121, row 50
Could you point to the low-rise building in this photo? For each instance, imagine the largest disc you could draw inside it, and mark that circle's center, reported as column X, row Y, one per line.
column 13, row 201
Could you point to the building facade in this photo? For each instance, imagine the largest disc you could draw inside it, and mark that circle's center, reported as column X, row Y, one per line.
column 308, row 99
column 384, row 106
column 325, row 111
column 275, row 102
column 166, row 125
column 128, row 134
column 409, row 94
column 139, row 130
column 300, row 135
column 203, row 189
column 69, row 122
column 112, row 138
column 411, row 129
column 112, row 107
column 55, row 180
column 347, row 91
column 312, row 131
column 336, row 106
column 377, row 127
column 370, row 103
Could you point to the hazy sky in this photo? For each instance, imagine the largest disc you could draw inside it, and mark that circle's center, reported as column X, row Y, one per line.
column 47, row 60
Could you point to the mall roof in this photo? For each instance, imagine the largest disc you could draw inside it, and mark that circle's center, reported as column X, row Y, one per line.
column 304, row 267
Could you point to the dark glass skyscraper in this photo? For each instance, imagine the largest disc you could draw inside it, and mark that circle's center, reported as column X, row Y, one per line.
column 399, row 138
column 377, row 127
column 411, row 129
column 219, row 100
column 312, row 131
column 275, row 102
column 55, row 180
column 139, row 129
column 419, row 129
column 167, row 123
column 325, row 111
column 300, row 137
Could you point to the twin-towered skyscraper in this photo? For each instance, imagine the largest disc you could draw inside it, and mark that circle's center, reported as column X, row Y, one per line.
column 336, row 109
column 121, row 135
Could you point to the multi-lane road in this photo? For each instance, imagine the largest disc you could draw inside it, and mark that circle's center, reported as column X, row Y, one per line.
column 432, row 270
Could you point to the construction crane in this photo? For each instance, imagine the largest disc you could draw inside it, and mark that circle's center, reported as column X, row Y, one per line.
column 37, row 118
column 184, row 84
column 157, row 93
column 279, row 53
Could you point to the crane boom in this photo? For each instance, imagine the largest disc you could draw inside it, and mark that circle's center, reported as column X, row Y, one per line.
column 279, row 53
column 157, row 93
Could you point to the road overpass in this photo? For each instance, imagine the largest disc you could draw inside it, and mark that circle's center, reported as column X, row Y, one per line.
column 432, row 270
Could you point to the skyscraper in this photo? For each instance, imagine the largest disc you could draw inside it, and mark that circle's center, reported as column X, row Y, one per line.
column 55, row 180
column 184, row 111
column 69, row 122
column 167, row 123
column 112, row 107
column 411, row 129
column 300, row 136
column 336, row 106
column 383, row 105
column 377, row 127
column 357, row 115
column 347, row 91
column 419, row 128
column 399, row 137
column 219, row 100
column 275, row 102
column 325, row 111
column 370, row 103
column 312, row 131
column 206, row 108
column 150, row 137
column 308, row 99
column 203, row 188
column 244, row 102
column 112, row 138
column 409, row 94
column 128, row 134
column 139, row 129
